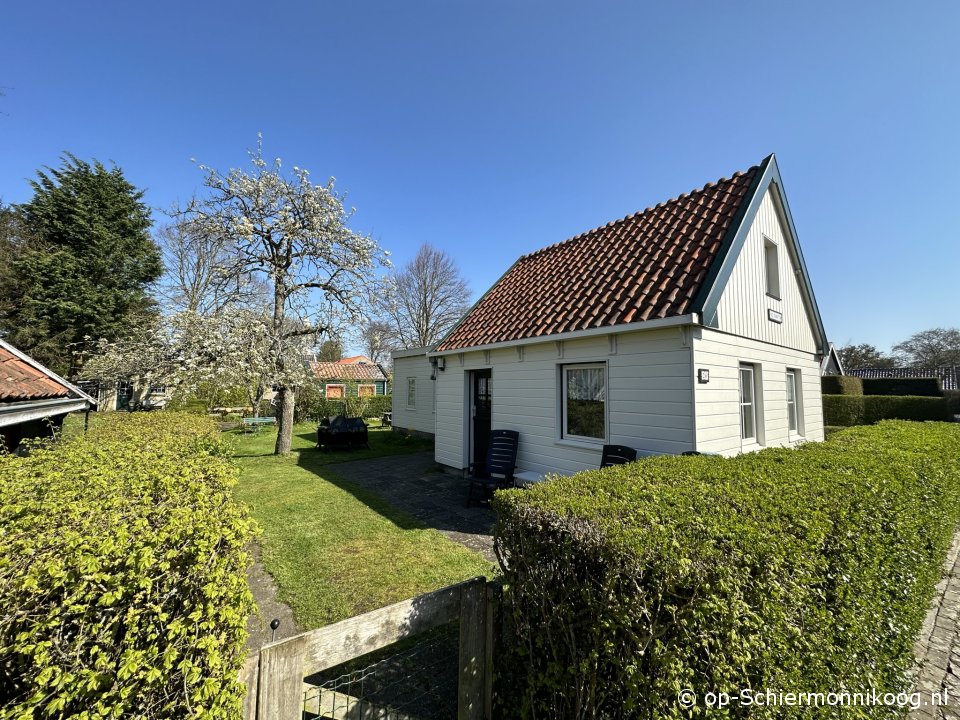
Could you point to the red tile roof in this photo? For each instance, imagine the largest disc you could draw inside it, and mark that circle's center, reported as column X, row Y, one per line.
column 339, row 371
column 20, row 381
column 646, row 266
column 356, row 359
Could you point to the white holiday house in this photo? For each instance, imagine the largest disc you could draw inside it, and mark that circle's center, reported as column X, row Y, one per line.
column 688, row 326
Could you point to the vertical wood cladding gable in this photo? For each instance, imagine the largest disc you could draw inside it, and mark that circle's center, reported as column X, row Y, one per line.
column 744, row 304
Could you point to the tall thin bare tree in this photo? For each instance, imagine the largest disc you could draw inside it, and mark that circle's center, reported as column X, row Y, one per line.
column 425, row 298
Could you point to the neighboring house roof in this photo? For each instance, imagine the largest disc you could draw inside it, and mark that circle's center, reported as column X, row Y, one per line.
column 339, row 371
column 355, row 360
column 667, row 261
column 949, row 376
column 830, row 364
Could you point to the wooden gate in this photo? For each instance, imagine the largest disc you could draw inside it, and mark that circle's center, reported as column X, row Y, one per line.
column 275, row 676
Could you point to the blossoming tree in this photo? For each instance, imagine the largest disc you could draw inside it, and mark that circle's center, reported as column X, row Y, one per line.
column 293, row 235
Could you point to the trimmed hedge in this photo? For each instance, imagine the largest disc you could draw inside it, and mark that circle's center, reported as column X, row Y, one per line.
column 806, row 569
column 927, row 387
column 122, row 574
column 953, row 400
column 841, row 385
column 850, row 410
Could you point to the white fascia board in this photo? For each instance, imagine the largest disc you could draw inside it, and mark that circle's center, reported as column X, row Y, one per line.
column 21, row 412
column 678, row 320
column 412, row 352
column 49, row 373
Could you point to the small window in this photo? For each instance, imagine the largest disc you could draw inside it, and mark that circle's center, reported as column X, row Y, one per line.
column 335, row 392
column 411, row 392
column 794, row 410
column 772, row 263
column 584, row 401
column 366, row 390
column 748, row 405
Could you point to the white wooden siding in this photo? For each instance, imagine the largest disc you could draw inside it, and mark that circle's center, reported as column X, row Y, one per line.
column 743, row 306
column 718, row 402
column 420, row 418
column 649, row 399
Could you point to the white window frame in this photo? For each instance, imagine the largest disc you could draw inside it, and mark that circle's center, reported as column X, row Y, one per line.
column 771, row 266
column 794, row 408
column 411, row 393
column 563, row 433
column 367, row 385
column 751, row 383
column 326, row 391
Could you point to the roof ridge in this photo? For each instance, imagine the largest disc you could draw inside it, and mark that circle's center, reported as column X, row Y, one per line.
column 632, row 216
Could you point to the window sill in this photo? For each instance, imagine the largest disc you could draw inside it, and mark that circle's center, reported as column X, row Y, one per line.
column 774, row 297
column 750, row 446
column 580, row 444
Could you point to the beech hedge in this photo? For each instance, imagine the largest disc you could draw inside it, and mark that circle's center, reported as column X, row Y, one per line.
column 867, row 409
column 805, row 570
column 122, row 574
column 841, row 385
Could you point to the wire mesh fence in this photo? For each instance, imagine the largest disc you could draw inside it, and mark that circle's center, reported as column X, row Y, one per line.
column 411, row 680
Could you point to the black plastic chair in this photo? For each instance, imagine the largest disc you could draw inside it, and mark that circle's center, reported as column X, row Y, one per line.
column 497, row 471
column 617, row 455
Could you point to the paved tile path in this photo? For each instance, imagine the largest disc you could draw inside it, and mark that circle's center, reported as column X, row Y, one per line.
column 938, row 648
column 413, row 484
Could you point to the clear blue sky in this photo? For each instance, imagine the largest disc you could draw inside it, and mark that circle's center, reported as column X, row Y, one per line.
column 493, row 128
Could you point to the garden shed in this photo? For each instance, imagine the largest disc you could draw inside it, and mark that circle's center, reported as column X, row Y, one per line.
column 33, row 399
column 351, row 377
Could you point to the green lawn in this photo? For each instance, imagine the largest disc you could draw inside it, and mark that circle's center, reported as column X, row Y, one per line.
column 334, row 549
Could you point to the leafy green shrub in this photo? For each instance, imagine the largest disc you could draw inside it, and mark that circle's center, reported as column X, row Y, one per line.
column 122, row 574
column 366, row 407
column 841, row 385
column 850, row 410
column 928, row 387
column 378, row 405
column 807, row 569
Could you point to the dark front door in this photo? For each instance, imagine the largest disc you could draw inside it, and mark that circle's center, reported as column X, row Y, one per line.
column 124, row 395
column 482, row 402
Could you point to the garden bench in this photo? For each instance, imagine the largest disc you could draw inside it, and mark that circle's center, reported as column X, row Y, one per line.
column 253, row 424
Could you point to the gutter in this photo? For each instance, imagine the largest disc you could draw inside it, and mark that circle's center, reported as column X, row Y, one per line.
column 688, row 319
column 21, row 412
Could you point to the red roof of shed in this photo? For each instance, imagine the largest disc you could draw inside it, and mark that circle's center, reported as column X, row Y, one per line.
column 20, row 381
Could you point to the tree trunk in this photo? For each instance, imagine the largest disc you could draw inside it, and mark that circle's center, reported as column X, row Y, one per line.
column 285, row 400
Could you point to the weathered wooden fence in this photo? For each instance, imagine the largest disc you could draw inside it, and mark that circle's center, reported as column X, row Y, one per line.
column 275, row 676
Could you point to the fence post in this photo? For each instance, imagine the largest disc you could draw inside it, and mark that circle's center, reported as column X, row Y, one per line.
column 471, row 689
column 492, row 649
column 280, row 695
column 250, row 676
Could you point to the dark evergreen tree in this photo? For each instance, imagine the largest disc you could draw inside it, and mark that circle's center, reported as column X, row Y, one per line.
column 82, row 262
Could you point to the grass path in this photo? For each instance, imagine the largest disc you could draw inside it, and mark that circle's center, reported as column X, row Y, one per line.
column 336, row 550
